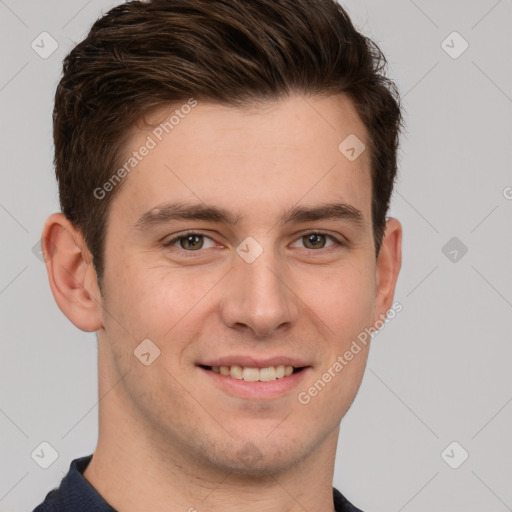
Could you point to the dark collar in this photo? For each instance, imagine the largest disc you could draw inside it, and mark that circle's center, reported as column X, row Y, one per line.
column 76, row 494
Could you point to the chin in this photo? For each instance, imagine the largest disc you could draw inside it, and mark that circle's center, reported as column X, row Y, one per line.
column 259, row 458
column 257, row 467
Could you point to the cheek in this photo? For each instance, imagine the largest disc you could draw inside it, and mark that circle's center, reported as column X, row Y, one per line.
column 159, row 303
column 344, row 308
column 343, row 300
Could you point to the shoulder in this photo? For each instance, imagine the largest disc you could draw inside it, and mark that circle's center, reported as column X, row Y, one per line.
column 341, row 504
column 75, row 493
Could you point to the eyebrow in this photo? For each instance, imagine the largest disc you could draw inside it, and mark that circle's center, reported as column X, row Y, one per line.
column 167, row 212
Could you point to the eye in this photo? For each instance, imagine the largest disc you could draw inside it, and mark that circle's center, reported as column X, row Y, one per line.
column 317, row 240
column 194, row 242
column 190, row 242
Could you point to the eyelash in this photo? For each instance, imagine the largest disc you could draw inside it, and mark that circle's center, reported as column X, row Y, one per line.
column 338, row 243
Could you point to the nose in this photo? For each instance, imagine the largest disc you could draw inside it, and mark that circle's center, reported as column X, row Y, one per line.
column 259, row 297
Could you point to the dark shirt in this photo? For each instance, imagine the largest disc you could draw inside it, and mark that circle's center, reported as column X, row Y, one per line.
column 76, row 494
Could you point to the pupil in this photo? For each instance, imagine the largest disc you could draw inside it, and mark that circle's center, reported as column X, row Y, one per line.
column 315, row 239
column 189, row 242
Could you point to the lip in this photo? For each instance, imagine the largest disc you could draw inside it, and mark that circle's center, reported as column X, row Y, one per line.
column 256, row 390
column 254, row 362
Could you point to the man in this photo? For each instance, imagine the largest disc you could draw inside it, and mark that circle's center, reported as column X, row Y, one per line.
column 225, row 168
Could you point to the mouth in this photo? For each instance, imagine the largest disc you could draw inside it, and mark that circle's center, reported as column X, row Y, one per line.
column 255, row 374
column 260, row 381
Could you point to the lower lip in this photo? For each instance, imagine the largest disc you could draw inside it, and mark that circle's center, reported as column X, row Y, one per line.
column 256, row 390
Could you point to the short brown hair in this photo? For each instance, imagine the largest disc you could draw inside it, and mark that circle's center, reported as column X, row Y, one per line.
column 143, row 55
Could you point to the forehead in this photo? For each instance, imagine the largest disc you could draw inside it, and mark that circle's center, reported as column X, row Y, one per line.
column 253, row 160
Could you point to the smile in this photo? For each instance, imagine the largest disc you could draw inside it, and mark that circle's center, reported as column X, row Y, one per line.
column 263, row 382
column 253, row 374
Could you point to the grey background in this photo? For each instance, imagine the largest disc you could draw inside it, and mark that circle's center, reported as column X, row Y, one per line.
column 439, row 372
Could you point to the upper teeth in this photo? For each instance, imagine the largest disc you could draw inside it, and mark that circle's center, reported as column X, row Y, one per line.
column 254, row 374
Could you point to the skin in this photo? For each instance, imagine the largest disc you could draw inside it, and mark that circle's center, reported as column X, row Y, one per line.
column 169, row 439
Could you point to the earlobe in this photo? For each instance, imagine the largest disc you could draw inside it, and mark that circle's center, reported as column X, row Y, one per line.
column 389, row 263
column 71, row 274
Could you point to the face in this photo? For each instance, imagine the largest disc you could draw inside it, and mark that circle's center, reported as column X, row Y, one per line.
column 242, row 239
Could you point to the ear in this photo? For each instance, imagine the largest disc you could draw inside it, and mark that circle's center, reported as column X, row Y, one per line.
column 389, row 262
column 71, row 273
